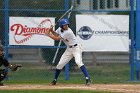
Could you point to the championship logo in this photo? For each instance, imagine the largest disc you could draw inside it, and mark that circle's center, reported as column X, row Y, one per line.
column 85, row 33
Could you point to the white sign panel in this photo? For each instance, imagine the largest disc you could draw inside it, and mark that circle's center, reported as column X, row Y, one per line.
column 30, row 31
column 103, row 32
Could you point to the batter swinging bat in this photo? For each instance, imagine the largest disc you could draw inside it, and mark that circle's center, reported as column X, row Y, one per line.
column 69, row 13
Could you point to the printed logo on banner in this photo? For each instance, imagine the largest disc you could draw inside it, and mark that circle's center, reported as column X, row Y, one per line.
column 23, row 33
column 85, row 32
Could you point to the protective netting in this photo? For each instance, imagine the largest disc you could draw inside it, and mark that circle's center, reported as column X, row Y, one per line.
column 105, row 67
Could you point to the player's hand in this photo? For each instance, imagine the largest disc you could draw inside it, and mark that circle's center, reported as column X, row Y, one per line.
column 48, row 32
column 51, row 28
column 15, row 67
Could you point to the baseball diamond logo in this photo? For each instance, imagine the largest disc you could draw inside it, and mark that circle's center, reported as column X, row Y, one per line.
column 22, row 33
column 85, row 33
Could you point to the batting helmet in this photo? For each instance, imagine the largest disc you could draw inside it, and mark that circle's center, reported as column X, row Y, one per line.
column 63, row 22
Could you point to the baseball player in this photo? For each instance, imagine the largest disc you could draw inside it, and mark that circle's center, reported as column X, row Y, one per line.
column 5, row 63
column 73, row 50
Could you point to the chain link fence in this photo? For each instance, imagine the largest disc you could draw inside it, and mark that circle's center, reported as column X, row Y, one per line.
column 37, row 61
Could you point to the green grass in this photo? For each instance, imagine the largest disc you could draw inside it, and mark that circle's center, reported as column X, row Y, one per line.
column 100, row 74
column 51, row 91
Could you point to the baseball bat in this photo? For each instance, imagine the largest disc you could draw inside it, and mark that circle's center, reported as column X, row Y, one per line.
column 56, row 52
column 67, row 12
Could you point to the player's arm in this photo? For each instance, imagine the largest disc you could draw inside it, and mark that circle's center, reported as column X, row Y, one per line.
column 6, row 63
column 54, row 36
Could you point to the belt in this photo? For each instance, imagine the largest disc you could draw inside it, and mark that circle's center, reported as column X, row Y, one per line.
column 73, row 46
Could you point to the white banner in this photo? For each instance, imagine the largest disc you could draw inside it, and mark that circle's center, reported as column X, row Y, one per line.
column 103, row 32
column 30, row 31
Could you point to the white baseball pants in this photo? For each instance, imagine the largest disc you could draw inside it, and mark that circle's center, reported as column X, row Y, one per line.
column 69, row 53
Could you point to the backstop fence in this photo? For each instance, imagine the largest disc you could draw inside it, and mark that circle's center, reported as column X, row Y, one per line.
column 37, row 59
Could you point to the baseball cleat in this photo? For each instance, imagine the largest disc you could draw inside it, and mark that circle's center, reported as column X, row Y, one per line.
column 88, row 81
column 53, row 82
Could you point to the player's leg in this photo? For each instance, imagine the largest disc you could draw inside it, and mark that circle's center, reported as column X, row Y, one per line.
column 66, row 57
column 84, row 70
column 78, row 59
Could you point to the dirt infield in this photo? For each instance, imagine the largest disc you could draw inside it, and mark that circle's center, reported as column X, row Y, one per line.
column 124, row 88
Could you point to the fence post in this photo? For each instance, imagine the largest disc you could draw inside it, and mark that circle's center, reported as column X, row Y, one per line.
column 137, row 39
column 132, row 39
column 6, row 30
column 67, row 65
